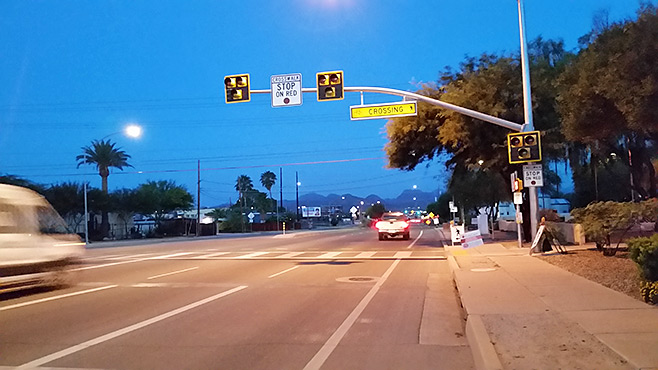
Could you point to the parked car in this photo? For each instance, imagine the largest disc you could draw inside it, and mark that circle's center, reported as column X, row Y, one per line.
column 36, row 248
column 393, row 224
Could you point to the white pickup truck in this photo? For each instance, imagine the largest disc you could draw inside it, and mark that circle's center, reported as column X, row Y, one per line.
column 393, row 224
column 36, row 249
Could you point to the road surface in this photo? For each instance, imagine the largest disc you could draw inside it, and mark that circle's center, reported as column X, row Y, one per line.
column 337, row 299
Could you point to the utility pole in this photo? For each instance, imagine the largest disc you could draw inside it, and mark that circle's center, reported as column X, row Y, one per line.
column 297, row 194
column 86, row 216
column 198, row 199
column 280, row 197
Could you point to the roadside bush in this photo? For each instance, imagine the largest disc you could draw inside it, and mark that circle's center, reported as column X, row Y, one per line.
column 234, row 222
column 644, row 252
column 601, row 219
column 650, row 292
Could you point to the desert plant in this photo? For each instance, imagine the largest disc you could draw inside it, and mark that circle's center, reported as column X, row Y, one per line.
column 644, row 252
column 601, row 219
column 650, row 292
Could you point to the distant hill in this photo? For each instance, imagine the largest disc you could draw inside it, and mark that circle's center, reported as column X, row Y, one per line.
column 404, row 200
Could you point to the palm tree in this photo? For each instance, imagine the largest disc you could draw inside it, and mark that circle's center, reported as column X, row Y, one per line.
column 103, row 154
column 268, row 179
column 242, row 185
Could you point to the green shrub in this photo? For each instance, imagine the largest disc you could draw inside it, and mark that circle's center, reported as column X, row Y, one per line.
column 644, row 251
column 650, row 292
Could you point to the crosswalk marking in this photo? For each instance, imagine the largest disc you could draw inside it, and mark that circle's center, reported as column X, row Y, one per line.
column 300, row 255
column 329, row 255
column 171, row 255
column 211, row 255
column 402, row 255
column 290, row 255
column 365, row 255
column 251, row 255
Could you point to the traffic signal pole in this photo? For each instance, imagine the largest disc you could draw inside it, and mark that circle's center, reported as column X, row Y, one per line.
column 406, row 94
column 527, row 110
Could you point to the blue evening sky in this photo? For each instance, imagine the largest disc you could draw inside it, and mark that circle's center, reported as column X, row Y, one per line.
column 75, row 71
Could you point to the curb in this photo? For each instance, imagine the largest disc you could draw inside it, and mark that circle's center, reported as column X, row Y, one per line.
column 484, row 353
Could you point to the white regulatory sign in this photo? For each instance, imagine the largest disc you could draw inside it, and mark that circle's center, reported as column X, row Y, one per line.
column 532, row 175
column 286, row 90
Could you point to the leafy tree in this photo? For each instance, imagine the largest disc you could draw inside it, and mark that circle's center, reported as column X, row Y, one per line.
column 104, row 155
column 489, row 84
column 473, row 190
column 608, row 94
column 98, row 202
column 376, row 210
column 68, row 199
column 435, row 208
column 219, row 213
column 234, row 221
column 161, row 197
column 17, row 181
column 124, row 201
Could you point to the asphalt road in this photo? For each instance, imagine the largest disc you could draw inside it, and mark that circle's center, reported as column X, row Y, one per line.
column 336, row 299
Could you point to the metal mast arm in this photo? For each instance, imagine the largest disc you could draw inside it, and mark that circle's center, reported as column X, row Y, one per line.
column 384, row 90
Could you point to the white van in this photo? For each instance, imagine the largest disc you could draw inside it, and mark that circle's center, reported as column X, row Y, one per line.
column 36, row 248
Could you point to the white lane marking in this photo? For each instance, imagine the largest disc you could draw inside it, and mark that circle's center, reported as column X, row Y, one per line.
column 130, row 261
column 415, row 240
column 105, row 256
column 171, row 255
column 402, row 254
column 365, row 255
column 318, row 360
column 108, row 264
column 290, row 255
column 251, row 255
column 282, row 272
column 171, row 273
column 56, row 297
column 329, row 255
column 135, row 255
column 211, row 255
column 126, row 330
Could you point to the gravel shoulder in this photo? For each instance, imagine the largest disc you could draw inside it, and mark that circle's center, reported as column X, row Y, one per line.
column 616, row 272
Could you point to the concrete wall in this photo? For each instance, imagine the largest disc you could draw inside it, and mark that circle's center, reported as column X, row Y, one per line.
column 572, row 233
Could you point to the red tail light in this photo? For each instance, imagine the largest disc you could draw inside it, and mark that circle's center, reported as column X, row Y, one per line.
column 406, row 224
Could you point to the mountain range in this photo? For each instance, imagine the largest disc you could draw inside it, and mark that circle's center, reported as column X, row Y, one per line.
column 404, row 200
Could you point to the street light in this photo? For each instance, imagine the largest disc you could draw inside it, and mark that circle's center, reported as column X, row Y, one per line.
column 131, row 130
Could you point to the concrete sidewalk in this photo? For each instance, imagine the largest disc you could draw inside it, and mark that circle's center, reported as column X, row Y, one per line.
column 524, row 313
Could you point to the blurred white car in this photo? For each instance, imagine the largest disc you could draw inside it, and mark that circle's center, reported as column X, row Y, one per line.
column 36, row 248
column 393, row 224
